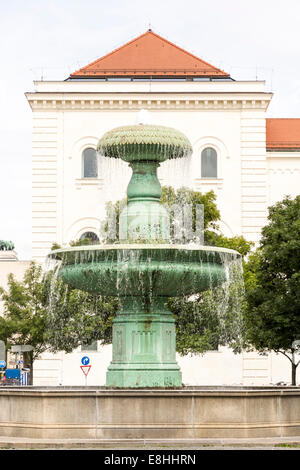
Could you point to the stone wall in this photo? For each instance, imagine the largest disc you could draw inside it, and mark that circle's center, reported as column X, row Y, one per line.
column 149, row 414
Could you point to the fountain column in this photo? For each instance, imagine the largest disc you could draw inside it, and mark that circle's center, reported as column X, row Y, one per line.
column 144, row 330
column 143, row 346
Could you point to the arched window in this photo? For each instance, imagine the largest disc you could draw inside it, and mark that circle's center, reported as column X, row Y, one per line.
column 89, row 163
column 209, row 165
column 91, row 236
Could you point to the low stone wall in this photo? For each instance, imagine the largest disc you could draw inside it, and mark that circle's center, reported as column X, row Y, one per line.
column 189, row 413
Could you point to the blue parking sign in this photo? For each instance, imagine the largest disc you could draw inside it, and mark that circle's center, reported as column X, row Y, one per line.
column 85, row 361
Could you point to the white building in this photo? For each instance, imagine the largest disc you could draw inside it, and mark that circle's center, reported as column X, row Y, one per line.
column 248, row 160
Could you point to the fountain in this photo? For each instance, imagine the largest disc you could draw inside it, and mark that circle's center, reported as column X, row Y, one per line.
column 144, row 401
column 144, row 269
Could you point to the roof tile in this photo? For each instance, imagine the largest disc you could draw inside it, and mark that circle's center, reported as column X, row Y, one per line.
column 149, row 55
column 282, row 133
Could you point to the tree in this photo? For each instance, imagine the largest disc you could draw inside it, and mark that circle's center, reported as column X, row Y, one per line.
column 74, row 317
column 186, row 197
column 210, row 319
column 213, row 318
column 24, row 318
column 45, row 313
column 272, row 280
column 180, row 197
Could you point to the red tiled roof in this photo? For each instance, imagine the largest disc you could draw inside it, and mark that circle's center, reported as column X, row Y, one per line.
column 149, row 55
column 283, row 133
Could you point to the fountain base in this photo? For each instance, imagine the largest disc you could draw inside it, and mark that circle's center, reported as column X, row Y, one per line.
column 143, row 378
column 143, row 346
column 190, row 414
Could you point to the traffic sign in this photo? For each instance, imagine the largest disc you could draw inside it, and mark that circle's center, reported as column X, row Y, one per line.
column 85, row 369
column 85, row 361
column 2, row 364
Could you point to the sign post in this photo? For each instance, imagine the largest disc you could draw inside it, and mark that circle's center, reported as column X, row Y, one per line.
column 85, row 367
column 2, row 351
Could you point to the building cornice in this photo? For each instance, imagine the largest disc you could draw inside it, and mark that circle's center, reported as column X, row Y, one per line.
column 159, row 100
column 283, row 153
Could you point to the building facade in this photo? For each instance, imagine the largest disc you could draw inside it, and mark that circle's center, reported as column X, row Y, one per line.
column 248, row 160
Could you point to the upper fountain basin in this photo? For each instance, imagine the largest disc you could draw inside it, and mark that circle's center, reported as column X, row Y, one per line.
column 144, row 142
column 142, row 269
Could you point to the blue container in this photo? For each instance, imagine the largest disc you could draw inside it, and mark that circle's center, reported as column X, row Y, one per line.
column 13, row 374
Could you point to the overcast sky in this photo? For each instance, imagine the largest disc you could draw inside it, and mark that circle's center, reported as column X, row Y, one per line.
column 52, row 38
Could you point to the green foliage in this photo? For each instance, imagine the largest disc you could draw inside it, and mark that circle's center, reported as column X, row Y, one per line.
column 76, row 317
column 25, row 311
column 55, row 246
column 78, row 242
column 44, row 312
column 272, row 278
column 184, row 196
column 6, row 245
column 238, row 243
column 113, row 211
column 250, row 269
column 213, row 318
column 81, row 242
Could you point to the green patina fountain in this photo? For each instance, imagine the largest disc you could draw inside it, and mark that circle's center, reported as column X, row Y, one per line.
column 144, row 269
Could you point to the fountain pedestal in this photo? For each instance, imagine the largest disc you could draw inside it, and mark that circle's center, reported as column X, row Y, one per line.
column 144, row 346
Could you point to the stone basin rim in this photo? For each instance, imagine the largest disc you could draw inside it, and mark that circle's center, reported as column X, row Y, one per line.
column 141, row 246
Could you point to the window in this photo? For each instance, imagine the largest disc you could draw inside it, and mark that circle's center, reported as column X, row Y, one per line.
column 209, row 163
column 91, row 236
column 89, row 163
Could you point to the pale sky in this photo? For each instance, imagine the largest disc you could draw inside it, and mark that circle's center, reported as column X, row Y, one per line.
column 257, row 39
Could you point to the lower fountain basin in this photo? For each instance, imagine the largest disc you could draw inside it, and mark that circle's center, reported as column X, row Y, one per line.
column 81, row 415
column 162, row 270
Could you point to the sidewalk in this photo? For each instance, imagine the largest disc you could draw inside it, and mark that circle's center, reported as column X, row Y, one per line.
column 141, row 444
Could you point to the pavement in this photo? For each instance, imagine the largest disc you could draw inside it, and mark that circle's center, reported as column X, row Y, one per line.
column 285, row 443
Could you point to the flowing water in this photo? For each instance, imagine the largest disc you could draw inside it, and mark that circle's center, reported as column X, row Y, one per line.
column 132, row 269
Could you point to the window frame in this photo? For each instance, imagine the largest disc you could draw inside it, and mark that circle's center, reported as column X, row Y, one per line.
column 89, row 147
column 81, row 237
column 217, row 163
